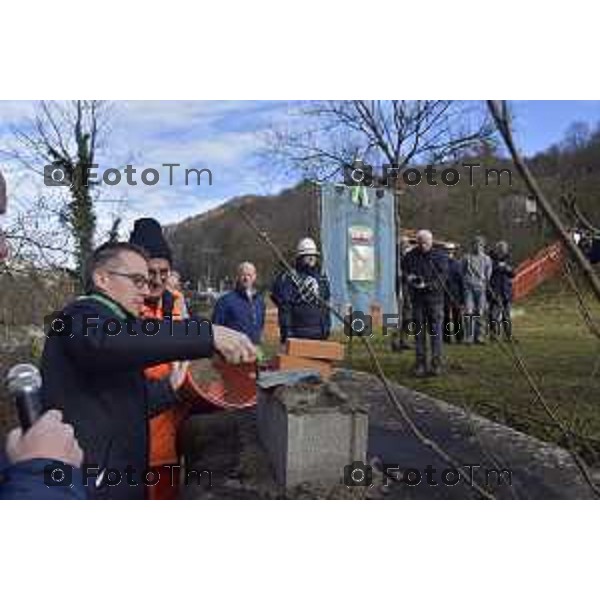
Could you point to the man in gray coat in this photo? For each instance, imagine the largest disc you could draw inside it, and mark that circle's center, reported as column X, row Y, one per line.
column 477, row 271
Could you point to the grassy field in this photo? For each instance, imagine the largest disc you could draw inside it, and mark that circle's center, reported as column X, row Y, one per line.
column 556, row 346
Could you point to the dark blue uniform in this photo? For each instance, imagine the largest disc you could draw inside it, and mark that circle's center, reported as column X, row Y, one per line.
column 300, row 314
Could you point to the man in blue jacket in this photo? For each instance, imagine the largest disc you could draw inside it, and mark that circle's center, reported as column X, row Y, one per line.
column 242, row 309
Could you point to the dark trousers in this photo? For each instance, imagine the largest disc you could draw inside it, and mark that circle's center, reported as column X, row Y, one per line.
column 453, row 325
column 500, row 318
column 428, row 322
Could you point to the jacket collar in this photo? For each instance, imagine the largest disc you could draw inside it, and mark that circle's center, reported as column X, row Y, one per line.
column 243, row 294
column 109, row 302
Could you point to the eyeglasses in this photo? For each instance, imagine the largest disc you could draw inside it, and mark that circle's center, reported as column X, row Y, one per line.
column 140, row 281
column 162, row 273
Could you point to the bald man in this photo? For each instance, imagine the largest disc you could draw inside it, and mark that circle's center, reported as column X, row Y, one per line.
column 425, row 271
column 242, row 309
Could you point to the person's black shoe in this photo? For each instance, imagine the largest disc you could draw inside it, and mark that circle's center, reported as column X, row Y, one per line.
column 398, row 345
column 480, row 342
column 420, row 371
column 436, row 370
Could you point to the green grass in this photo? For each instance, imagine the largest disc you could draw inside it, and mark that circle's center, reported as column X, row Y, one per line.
column 558, row 350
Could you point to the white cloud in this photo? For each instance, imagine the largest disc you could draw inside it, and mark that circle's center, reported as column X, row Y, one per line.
column 221, row 136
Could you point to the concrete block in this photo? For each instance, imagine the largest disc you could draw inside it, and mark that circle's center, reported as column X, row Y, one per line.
column 311, row 432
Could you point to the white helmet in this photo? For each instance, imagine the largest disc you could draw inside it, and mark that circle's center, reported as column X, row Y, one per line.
column 307, row 247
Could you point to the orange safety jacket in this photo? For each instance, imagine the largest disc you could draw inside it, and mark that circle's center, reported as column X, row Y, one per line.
column 164, row 426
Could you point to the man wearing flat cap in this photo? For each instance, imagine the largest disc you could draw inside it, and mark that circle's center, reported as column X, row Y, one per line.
column 161, row 303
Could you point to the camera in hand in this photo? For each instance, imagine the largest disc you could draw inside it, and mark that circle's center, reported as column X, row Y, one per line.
column 418, row 282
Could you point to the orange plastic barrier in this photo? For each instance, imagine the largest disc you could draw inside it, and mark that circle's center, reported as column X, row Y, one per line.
column 534, row 271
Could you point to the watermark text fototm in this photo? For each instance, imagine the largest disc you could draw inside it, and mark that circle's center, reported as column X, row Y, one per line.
column 360, row 324
column 359, row 474
column 361, row 173
column 56, row 174
column 59, row 324
column 58, row 474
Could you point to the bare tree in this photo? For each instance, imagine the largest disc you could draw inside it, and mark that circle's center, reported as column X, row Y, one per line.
column 37, row 238
column 333, row 134
column 3, row 244
column 499, row 110
column 65, row 135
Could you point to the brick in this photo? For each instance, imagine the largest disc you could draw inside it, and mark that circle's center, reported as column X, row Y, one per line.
column 285, row 362
column 315, row 349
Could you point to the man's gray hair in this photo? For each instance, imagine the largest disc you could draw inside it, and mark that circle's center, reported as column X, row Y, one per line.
column 244, row 265
column 424, row 233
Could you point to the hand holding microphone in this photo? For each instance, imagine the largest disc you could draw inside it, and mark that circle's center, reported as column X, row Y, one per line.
column 48, row 438
column 38, row 437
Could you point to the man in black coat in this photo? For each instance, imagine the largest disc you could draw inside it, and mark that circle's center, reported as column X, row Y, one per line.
column 500, row 296
column 93, row 362
column 453, row 299
column 298, row 297
column 426, row 271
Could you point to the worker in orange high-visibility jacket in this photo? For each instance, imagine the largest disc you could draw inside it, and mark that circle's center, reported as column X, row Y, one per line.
column 162, row 303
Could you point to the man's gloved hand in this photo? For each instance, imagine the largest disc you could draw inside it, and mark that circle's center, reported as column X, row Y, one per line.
column 47, row 438
column 233, row 346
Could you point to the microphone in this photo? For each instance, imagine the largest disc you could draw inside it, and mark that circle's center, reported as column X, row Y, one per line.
column 24, row 382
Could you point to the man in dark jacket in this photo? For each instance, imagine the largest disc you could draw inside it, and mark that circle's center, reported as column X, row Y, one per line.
column 426, row 271
column 242, row 309
column 301, row 315
column 453, row 299
column 93, row 368
column 34, row 458
column 501, row 292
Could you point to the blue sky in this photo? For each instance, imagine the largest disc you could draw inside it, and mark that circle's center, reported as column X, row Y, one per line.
column 223, row 136
column 539, row 124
